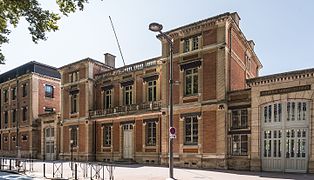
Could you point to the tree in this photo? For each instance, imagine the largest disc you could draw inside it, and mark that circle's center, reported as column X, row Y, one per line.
column 40, row 20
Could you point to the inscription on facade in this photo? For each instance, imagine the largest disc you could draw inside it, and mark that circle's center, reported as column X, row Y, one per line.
column 285, row 90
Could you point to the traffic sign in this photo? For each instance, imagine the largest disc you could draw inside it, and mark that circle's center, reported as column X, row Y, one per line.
column 172, row 132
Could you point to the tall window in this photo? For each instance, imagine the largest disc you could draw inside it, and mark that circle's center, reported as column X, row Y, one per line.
column 6, row 95
column 128, row 95
column 13, row 115
column 6, row 117
column 152, row 91
column 107, row 135
column 24, row 90
column 107, row 99
column 194, row 43
column 74, row 76
column 151, row 133
column 239, row 145
column 24, row 114
column 186, row 45
column 74, row 136
column 49, row 91
column 74, row 103
column 191, row 81
column 191, row 130
column 14, row 93
column 239, row 119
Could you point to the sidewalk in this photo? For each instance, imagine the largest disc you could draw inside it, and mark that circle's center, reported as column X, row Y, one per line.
column 139, row 172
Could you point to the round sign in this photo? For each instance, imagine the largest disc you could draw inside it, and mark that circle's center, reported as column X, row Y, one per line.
column 172, row 130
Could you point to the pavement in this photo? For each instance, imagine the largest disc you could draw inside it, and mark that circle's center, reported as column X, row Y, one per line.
column 140, row 172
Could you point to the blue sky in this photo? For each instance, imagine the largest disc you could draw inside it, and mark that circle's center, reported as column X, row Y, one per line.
column 282, row 30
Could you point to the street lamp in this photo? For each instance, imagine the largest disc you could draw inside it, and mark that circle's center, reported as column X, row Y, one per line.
column 156, row 27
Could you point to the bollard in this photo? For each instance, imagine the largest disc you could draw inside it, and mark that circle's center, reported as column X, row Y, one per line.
column 10, row 165
column 75, row 171
column 44, row 170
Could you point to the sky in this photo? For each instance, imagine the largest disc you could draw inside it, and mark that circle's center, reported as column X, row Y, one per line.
column 282, row 31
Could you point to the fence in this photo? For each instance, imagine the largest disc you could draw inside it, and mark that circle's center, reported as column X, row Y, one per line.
column 59, row 169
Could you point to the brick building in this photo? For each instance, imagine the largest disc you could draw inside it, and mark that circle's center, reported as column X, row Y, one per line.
column 225, row 115
column 26, row 92
column 128, row 116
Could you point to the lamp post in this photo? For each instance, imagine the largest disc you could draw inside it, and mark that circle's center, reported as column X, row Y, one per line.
column 156, row 27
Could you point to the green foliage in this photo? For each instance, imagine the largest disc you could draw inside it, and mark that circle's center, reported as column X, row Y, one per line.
column 40, row 20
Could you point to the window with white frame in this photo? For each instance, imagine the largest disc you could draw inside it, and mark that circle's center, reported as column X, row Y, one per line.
column 294, row 110
column 191, row 44
column 150, row 133
column 107, row 135
column 74, row 103
column 191, row 81
column 151, row 88
column 191, row 130
column 107, row 98
column 239, row 145
column 127, row 95
column 239, row 118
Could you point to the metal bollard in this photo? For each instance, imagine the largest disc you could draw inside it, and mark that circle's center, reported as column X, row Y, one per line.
column 44, row 170
column 10, row 165
column 75, row 171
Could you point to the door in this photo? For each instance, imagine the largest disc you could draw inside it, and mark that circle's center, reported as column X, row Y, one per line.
column 128, row 145
column 284, row 136
column 296, row 150
column 49, row 144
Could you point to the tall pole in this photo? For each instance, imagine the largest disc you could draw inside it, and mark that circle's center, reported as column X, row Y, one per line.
column 17, row 118
column 170, row 108
column 156, row 27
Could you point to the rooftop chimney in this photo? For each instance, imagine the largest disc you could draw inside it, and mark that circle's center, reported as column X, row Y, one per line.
column 110, row 60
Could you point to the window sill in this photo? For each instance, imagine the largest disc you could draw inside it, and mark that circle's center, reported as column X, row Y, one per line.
column 190, row 146
column 74, row 115
column 190, row 98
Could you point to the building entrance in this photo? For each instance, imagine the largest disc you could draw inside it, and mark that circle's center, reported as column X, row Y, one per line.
column 49, row 144
column 285, row 136
column 128, row 143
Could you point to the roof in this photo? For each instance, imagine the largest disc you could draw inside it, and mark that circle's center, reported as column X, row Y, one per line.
column 281, row 75
column 31, row 66
column 199, row 22
column 86, row 59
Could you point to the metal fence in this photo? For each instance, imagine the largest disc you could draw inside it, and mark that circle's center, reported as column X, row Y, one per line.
column 59, row 169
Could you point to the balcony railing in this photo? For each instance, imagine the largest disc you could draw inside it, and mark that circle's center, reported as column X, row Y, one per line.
column 129, row 68
column 128, row 109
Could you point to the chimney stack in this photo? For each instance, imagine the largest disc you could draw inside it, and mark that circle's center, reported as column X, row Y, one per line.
column 110, row 60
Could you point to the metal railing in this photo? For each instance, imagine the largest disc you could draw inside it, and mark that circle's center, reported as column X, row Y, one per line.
column 120, row 110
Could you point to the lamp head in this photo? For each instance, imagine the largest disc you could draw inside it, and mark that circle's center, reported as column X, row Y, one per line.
column 155, row 27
